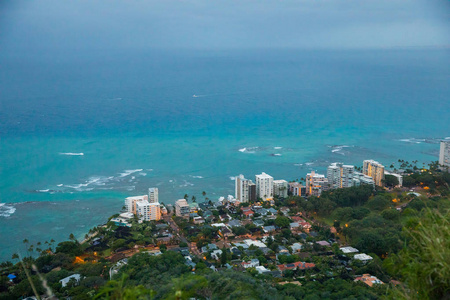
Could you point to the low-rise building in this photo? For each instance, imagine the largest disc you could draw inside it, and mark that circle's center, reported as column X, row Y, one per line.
column 182, row 208
column 253, row 263
column 363, row 257
column 297, row 189
column 369, row 280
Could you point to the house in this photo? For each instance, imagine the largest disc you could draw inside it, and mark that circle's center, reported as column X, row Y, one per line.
column 258, row 223
column 163, row 240
column 248, row 213
column 303, row 235
column 296, row 266
column 273, row 211
column 236, row 251
column 66, row 280
column 261, row 211
column 234, row 223
column 250, row 264
column 256, row 243
column 261, row 269
column 284, row 210
column 369, row 280
column 347, row 250
column 198, row 220
column 323, row 243
column 226, row 232
column 305, row 225
column 282, row 250
column 209, row 247
column 216, row 254
column 297, row 219
column 363, row 257
column 294, row 226
column 269, row 229
column 296, row 247
column 265, row 250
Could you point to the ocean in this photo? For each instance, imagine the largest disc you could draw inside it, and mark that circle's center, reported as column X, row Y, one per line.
column 78, row 134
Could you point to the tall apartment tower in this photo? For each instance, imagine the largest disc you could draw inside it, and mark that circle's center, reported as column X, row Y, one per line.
column 153, row 195
column 375, row 170
column 264, row 186
column 334, row 175
column 316, row 184
column 242, row 191
column 347, row 172
column 130, row 203
column 252, row 191
column 280, row 188
column 444, row 155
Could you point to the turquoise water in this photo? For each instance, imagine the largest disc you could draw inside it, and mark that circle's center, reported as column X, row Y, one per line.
column 134, row 118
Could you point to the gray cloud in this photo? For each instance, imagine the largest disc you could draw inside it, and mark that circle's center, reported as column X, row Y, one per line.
column 45, row 25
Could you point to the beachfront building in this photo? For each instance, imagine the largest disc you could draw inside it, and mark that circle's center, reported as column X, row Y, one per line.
column 153, row 195
column 316, row 184
column 147, row 211
column 444, row 155
column 347, row 172
column 334, row 175
column 242, row 192
column 375, row 170
column 182, row 208
column 297, row 189
column 340, row 175
column 130, row 202
column 280, row 188
column 361, row 179
column 264, row 186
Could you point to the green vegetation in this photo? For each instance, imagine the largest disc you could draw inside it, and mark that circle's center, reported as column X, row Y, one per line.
column 407, row 235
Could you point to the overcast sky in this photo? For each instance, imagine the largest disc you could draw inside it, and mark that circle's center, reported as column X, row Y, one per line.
column 27, row 26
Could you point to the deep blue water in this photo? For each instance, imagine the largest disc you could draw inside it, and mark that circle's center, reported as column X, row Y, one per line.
column 135, row 111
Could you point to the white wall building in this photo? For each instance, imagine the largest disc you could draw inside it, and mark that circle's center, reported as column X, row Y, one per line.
column 148, row 211
column 130, row 202
column 153, row 196
column 280, row 188
column 242, row 191
column 334, row 175
column 347, row 172
column 264, row 186
column 182, row 208
column 444, row 155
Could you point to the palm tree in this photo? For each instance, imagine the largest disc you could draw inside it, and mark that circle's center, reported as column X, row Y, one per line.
column 193, row 199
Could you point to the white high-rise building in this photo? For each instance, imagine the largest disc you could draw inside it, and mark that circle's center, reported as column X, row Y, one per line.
column 182, row 208
column 264, row 186
column 130, row 202
column 347, row 172
column 444, row 155
column 242, row 192
column 153, row 195
column 148, row 211
column 334, row 175
column 316, row 183
column 280, row 188
column 375, row 170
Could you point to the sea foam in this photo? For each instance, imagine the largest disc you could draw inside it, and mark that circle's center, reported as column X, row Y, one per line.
column 72, row 153
column 6, row 210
